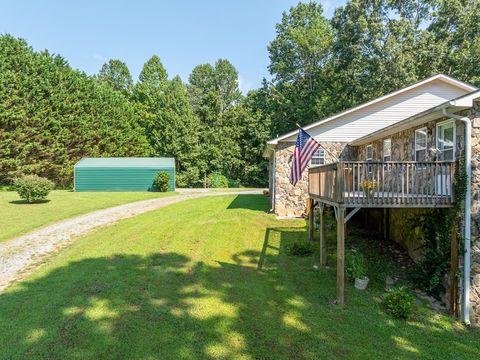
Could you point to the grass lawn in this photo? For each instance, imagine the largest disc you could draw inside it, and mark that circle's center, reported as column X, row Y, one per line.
column 208, row 278
column 17, row 217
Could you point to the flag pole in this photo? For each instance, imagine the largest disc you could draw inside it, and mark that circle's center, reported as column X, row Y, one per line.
column 323, row 147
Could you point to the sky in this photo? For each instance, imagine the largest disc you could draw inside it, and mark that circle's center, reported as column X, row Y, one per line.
column 183, row 33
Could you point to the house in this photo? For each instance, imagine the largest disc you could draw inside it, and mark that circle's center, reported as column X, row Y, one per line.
column 394, row 155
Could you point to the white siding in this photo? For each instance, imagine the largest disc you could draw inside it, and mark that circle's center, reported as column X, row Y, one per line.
column 359, row 123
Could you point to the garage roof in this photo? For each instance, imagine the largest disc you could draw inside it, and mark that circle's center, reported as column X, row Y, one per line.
column 144, row 162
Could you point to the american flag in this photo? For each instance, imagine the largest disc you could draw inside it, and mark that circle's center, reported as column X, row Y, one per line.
column 304, row 150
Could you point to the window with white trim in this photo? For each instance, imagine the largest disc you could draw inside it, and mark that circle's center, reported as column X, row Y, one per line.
column 369, row 152
column 446, row 140
column 421, row 144
column 318, row 157
column 387, row 150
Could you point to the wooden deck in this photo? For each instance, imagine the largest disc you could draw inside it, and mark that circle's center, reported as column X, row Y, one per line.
column 392, row 184
column 362, row 184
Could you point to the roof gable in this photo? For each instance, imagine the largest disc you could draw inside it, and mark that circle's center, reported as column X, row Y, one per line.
column 356, row 122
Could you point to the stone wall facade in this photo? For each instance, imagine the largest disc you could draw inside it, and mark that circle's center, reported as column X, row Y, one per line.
column 402, row 232
column 291, row 200
column 475, row 219
column 403, row 143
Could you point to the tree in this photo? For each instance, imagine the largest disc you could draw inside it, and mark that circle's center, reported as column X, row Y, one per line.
column 301, row 45
column 168, row 119
column 298, row 55
column 215, row 95
column 51, row 116
column 153, row 74
column 254, row 123
column 456, row 30
column 115, row 73
column 175, row 132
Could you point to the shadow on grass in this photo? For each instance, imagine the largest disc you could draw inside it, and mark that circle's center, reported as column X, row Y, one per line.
column 261, row 305
column 25, row 202
column 250, row 202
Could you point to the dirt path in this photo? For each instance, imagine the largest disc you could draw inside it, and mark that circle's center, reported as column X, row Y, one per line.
column 21, row 255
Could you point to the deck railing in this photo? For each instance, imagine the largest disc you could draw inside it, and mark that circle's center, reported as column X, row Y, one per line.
column 390, row 183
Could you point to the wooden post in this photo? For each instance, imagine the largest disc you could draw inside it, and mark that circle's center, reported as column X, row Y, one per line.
column 453, row 271
column 311, row 219
column 340, row 255
column 387, row 225
column 323, row 235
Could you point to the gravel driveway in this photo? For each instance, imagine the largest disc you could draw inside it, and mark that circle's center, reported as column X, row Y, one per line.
column 21, row 255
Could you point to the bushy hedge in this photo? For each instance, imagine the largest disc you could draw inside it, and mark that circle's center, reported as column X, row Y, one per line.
column 33, row 188
column 216, row 180
column 398, row 302
column 161, row 182
column 52, row 115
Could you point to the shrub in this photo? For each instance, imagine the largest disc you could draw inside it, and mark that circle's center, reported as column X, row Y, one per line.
column 398, row 302
column 33, row 188
column 217, row 180
column 6, row 188
column 161, row 182
column 300, row 248
column 356, row 266
column 234, row 183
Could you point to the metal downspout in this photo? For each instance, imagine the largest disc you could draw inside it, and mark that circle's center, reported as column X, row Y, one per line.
column 274, row 172
column 467, row 225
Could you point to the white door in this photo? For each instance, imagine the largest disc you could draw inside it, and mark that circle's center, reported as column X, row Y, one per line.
column 446, row 146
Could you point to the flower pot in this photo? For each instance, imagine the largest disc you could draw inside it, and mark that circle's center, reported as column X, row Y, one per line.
column 361, row 283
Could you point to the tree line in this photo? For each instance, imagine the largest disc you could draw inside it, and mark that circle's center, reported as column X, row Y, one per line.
column 52, row 115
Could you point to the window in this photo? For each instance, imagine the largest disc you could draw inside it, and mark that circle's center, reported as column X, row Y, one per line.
column 369, row 156
column 369, row 152
column 318, row 157
column 446, row 140
column 387, row 150
column 421, row 144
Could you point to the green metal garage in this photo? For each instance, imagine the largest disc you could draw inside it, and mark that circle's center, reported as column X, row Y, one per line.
column 121, row 174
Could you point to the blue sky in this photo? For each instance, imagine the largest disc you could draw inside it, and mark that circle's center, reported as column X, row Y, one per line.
column 183, row 33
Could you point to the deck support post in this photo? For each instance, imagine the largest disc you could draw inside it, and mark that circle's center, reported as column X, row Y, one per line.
column 453, row 271
column 311, row 219
column 323, row 235
column 387, row 225
column 340, row 255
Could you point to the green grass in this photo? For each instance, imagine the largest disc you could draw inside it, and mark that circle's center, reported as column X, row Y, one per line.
column 17, row 217
column 208, row 278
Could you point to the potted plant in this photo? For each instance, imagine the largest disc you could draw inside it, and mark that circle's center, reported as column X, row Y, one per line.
column 357, row 269
column 368, row 187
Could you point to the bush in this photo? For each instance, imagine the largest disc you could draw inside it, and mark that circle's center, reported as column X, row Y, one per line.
column 234, row 183
column 6, row 188
column 398, row 302
column 33, row 188
column 188, row 178
column 300, row 248
column 356, row 266
column 161, row 182
column 217, row 180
